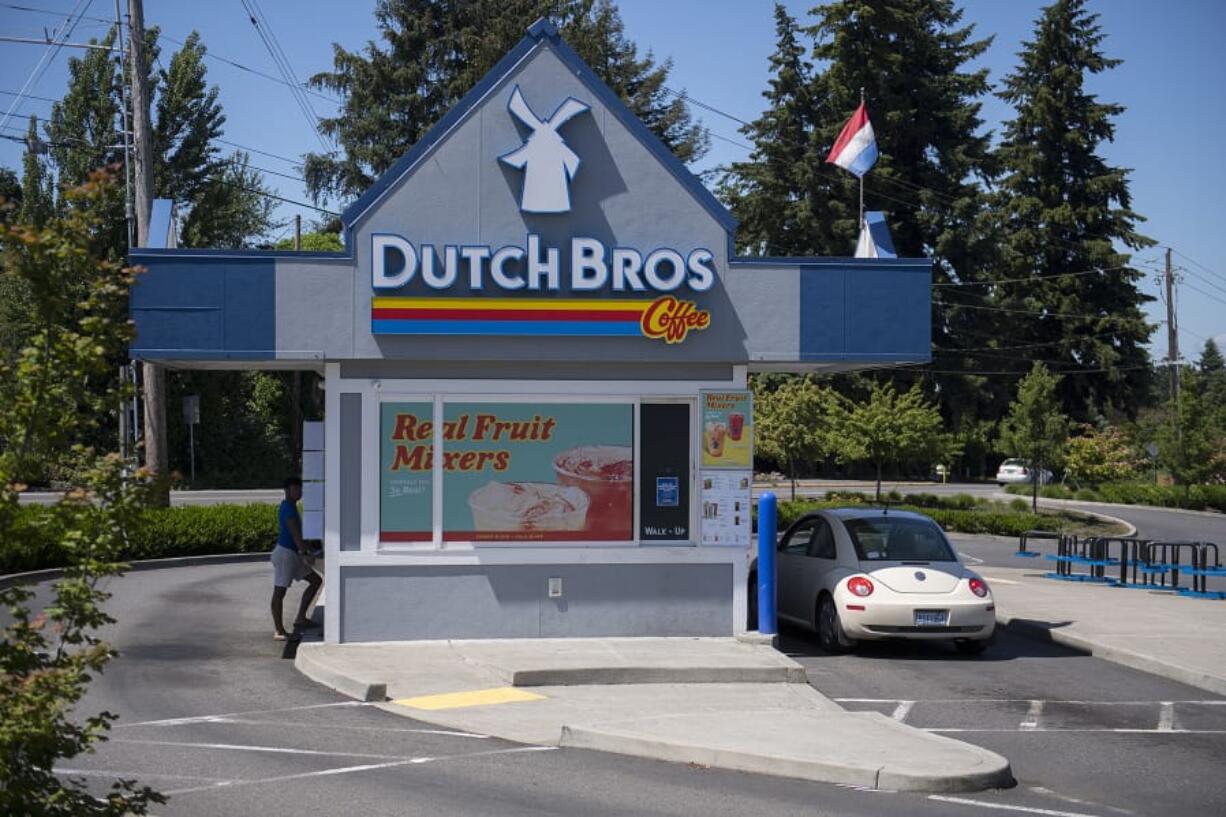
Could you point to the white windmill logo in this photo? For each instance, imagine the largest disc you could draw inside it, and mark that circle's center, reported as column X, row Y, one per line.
column 548, row 163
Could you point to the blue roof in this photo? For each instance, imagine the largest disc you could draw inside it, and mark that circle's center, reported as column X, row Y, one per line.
column 541, row 34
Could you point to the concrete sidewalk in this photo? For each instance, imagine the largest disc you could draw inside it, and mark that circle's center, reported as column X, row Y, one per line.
column 1161, row 633
column 712, row 701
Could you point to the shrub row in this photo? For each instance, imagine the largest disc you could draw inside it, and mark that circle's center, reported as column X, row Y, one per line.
column 1199, row 497
column 161, row 533
column 998, row 521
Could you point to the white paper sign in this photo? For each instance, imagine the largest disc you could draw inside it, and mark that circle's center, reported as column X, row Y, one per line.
column 312, row 524
column 312, row 436
column 313, row 465
column 727, row 509
column 312, row 496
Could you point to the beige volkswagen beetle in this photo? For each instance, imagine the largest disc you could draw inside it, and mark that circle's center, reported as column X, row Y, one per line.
column 863, row 574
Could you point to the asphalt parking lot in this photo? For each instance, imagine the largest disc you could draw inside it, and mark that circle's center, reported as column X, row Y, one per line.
column 213, row 714
column 1102, row 737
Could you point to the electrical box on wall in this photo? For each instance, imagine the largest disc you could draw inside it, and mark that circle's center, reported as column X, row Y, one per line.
column 555, row 587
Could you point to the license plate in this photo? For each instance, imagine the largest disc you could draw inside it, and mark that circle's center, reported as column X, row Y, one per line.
column 931, row 618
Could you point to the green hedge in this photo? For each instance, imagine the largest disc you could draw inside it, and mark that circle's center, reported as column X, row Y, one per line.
column 1200, row 497
column 998, row 520
column 162, row 533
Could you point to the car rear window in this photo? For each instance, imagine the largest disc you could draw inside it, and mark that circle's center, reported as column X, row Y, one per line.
column 1013, row 462
column 887, row 539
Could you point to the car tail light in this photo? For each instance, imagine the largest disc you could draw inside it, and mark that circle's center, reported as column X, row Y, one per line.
column 860, row 586
column 1025, row 471
column 979, row 587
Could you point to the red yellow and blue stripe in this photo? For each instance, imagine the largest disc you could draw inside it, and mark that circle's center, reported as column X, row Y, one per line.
column 506, row 316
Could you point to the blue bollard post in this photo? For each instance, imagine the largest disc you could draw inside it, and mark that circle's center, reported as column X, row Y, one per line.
column 768, row 525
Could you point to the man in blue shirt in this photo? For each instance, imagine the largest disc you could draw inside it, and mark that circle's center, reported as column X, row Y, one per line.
column 291, row 560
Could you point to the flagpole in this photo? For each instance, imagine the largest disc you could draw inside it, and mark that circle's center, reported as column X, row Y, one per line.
column 860, row 224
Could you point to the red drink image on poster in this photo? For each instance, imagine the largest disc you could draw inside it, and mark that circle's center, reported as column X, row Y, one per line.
column 736, row 425
column 606, row 474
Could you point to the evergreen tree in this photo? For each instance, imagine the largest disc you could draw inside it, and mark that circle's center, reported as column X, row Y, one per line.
column 911, row 58
column 37, row 191
column 1062, row 209
column 10, row 195
column 764, row 191
column 434, row 51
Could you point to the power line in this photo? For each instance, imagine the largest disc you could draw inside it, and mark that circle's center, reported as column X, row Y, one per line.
column 682, row 95
column 163, row 36
column 53, row 50
column 1197, row 263
column 1033, row 278
column 269, row 38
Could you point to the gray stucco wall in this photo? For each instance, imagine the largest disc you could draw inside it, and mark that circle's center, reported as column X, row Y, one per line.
column 461, row 194
column 392, row 603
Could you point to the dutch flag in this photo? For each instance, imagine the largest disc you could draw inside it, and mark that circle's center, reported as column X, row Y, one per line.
column 856, row 148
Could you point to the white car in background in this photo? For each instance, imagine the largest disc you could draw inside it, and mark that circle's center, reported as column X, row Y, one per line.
column 1013, row 471
column 867, row 574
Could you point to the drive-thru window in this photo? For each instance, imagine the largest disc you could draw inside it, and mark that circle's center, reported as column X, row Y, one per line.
column 535, row 350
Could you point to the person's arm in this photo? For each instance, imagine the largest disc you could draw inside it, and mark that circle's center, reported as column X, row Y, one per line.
column 294, row 525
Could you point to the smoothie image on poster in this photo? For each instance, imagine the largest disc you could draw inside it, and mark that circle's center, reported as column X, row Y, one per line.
column 606, row 474
column 527, row 506
column 538, row 472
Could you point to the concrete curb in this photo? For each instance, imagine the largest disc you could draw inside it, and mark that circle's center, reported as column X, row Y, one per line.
column 991, row 770
column 603, row 676
column 35, row 576
column 996, row 772
column 306, row 662
column 1060, row 502
column 1039, row 631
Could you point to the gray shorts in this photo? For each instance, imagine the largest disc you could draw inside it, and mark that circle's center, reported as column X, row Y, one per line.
column 288, row 566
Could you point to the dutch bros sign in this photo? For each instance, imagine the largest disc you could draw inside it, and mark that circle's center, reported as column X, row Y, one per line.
column 396, row 262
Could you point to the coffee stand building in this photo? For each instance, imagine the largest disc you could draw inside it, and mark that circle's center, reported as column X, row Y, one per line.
column 535, row 350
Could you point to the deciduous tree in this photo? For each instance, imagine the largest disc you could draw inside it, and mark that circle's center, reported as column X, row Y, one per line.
column 792, row 424
column 48, row 400
column 890, row 428
column 1036, row 428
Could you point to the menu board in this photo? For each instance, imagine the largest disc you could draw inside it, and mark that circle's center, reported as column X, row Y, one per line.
column 727, row 429
column 727, row 498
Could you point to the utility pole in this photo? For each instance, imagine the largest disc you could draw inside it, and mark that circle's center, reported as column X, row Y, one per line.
column 295, row 393
column 156, row 455
column 1172, row 329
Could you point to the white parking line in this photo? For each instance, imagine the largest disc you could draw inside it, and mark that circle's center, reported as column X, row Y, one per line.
column 208, row 718
column 408, row 761
column 1219, row 702
column 239, row 747
column 901, row 711
column 1032, row 716
column 966, row 801
column 331, row 726
column 121, row 774
column 1166, row 717
column 1117, row 730
column 975, row 560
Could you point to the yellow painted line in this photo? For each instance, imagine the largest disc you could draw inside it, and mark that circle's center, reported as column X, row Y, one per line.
column 476, row 697
column 510, row 305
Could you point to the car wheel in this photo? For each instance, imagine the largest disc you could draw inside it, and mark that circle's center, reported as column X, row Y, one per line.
column 972, row 647
column 829, row 629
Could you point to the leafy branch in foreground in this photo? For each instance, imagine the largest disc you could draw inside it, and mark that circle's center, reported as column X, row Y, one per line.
column 56, row 389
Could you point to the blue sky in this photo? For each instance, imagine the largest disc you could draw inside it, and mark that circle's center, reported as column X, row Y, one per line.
column 1169, row 82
